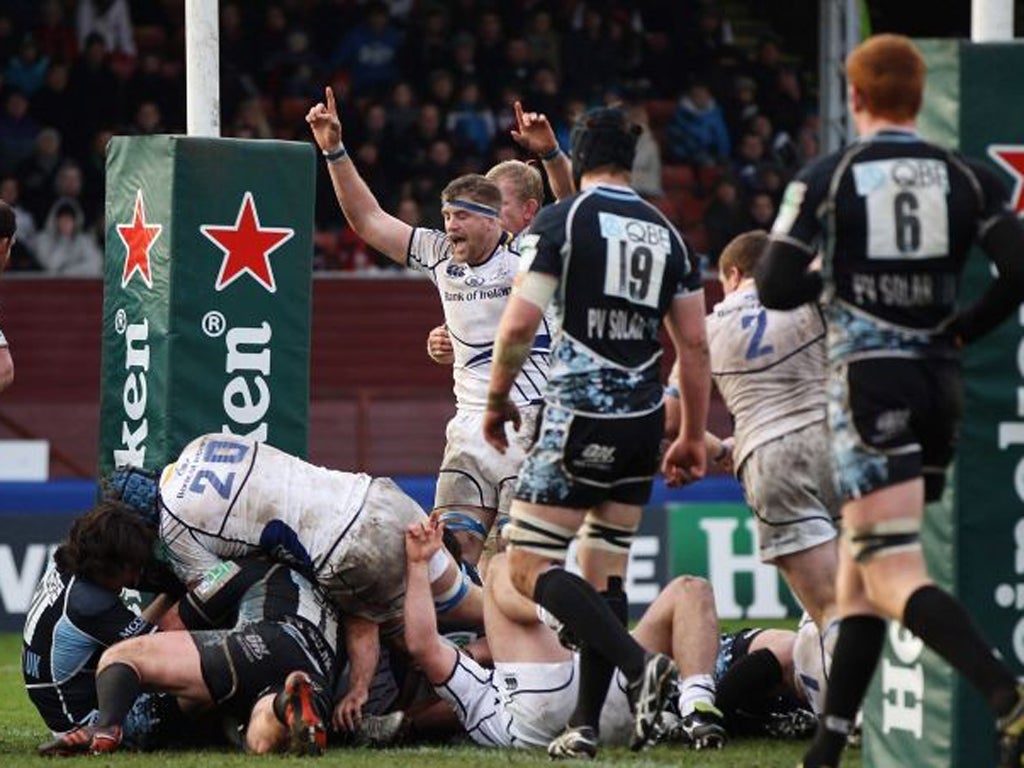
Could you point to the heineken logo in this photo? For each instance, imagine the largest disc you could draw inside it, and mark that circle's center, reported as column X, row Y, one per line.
column 1010, row 157
column 246, row 246
column 247, row 394
column 138, row 238
column 135, row 393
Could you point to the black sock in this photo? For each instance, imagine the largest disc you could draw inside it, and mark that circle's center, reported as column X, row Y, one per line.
column 941, row 622
column 588, row 617
column 858, row 648
column 595, row 670
column 749, row 684
column 279, row 704
column 117, row 687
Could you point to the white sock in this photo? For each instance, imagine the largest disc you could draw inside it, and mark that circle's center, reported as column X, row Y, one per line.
column 693, row 689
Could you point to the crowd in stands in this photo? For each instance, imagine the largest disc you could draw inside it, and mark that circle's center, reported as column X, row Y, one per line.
column 426, row 89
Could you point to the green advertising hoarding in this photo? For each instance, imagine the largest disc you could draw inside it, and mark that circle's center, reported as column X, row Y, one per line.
column 207, row 294
column 918, row 711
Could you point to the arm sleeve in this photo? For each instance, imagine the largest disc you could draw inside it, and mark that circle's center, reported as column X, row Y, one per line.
column 783, row 281
column 100, row 614
column 427, row 249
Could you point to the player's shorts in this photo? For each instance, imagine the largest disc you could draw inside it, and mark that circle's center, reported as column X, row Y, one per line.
column 580, row 461
column 790, row 486
column 893, row 420
column 472, row 473
column 241, row 665
column 365, row 576
column 514, row 704
column 617, row 717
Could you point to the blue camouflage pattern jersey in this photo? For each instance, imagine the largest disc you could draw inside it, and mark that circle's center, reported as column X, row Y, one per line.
column 619, row 263
column 895, row 217
column 70, row 622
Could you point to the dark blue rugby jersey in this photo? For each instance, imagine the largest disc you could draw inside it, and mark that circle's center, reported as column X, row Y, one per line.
column 70, row 623
column 895, row 217
column 619, row 263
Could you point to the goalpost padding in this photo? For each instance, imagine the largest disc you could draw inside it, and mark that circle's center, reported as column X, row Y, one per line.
column 207, row 294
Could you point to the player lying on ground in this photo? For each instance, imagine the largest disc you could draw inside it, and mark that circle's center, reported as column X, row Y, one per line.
column 527, row 698
column 258, row 646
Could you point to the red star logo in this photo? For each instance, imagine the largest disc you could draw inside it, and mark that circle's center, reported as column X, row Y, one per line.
column 1010, row 158
column 138, row 238
column 247, row 246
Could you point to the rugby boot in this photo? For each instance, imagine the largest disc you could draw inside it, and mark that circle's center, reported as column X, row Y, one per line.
column 74, row 742
column 577, row 742
column 648, row 695
column 1011, row 734
column 106, row 739
column 704, row 727
column 306, row 732
column 381, row 730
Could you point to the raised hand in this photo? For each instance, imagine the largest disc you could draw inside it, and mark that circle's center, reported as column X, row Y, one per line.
column 533, row 132
column 324, row 123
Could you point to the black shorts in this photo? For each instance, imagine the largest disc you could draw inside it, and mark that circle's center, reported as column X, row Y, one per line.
column 733, row 646
column 580, row 461
column 241, row 665
column 893, row 420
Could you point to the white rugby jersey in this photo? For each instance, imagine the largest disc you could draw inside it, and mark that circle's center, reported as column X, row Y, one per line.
column 473, row 298
column 227, row 496
column 769, row 366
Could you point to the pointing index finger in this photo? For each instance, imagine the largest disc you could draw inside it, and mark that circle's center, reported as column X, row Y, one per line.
column 518, row 106
column 329, row 93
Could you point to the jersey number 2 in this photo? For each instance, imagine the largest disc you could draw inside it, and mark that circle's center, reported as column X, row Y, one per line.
column 755, row 349
column 222, row 487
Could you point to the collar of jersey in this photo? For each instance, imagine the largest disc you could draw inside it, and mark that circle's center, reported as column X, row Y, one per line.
column 892, row 134
column 615, row 190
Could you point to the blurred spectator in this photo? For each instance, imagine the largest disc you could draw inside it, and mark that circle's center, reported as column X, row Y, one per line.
column 725, row 217
column 697, row 132
column 761, row 210
column 412, row 150
column 470, row 123
column 767, row 62
column 369, row 52
column 543, row 41
column 545, row 94
column 111, row 19
column 23, row 251
column 69, row 184
column 742, row 106
column 297, row 70
column 27, row 70
column 785, row 102
column 54, row 35
column 429, row 44
column 8, row 41
column 18, row 129
column 515, row 70
column 771, row 179
column 709, row 49
column 50, row 104
column 807, row 147
column 408, row 210
column 64, row 247
column 92, row 93
column 749, row 156
column 587, row 53
column 647, row 161
column 38, row 172
column 251, row 121
column 441, row 89
column 491, row 52
column 148, row 120
column 401, row 108
column 464, row 64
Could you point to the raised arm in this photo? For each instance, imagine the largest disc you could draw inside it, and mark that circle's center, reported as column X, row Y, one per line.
column 434, row 656
column 533, row 133
column 381, row 230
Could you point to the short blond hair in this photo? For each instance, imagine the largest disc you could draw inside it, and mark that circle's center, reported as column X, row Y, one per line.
column 889, row 72
column 525, row 178
column 742, row 252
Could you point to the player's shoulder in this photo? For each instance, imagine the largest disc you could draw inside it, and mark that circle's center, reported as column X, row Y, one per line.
column 86, row 599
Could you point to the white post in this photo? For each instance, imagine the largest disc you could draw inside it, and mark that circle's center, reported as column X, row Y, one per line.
column 202, row 68
column 991, row 21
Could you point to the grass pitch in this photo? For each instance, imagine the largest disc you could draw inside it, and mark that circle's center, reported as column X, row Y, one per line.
column 21, row 731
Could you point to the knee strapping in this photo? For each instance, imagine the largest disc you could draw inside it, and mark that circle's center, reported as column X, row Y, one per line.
column 599, row 534
column 456, row 522
column 533, row 534
column 888, row 537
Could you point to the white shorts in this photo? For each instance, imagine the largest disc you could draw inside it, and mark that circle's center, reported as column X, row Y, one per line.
column 790, row 487
column 616, row 717
column 472, row 473
column 512, row 705
column 365, row 575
